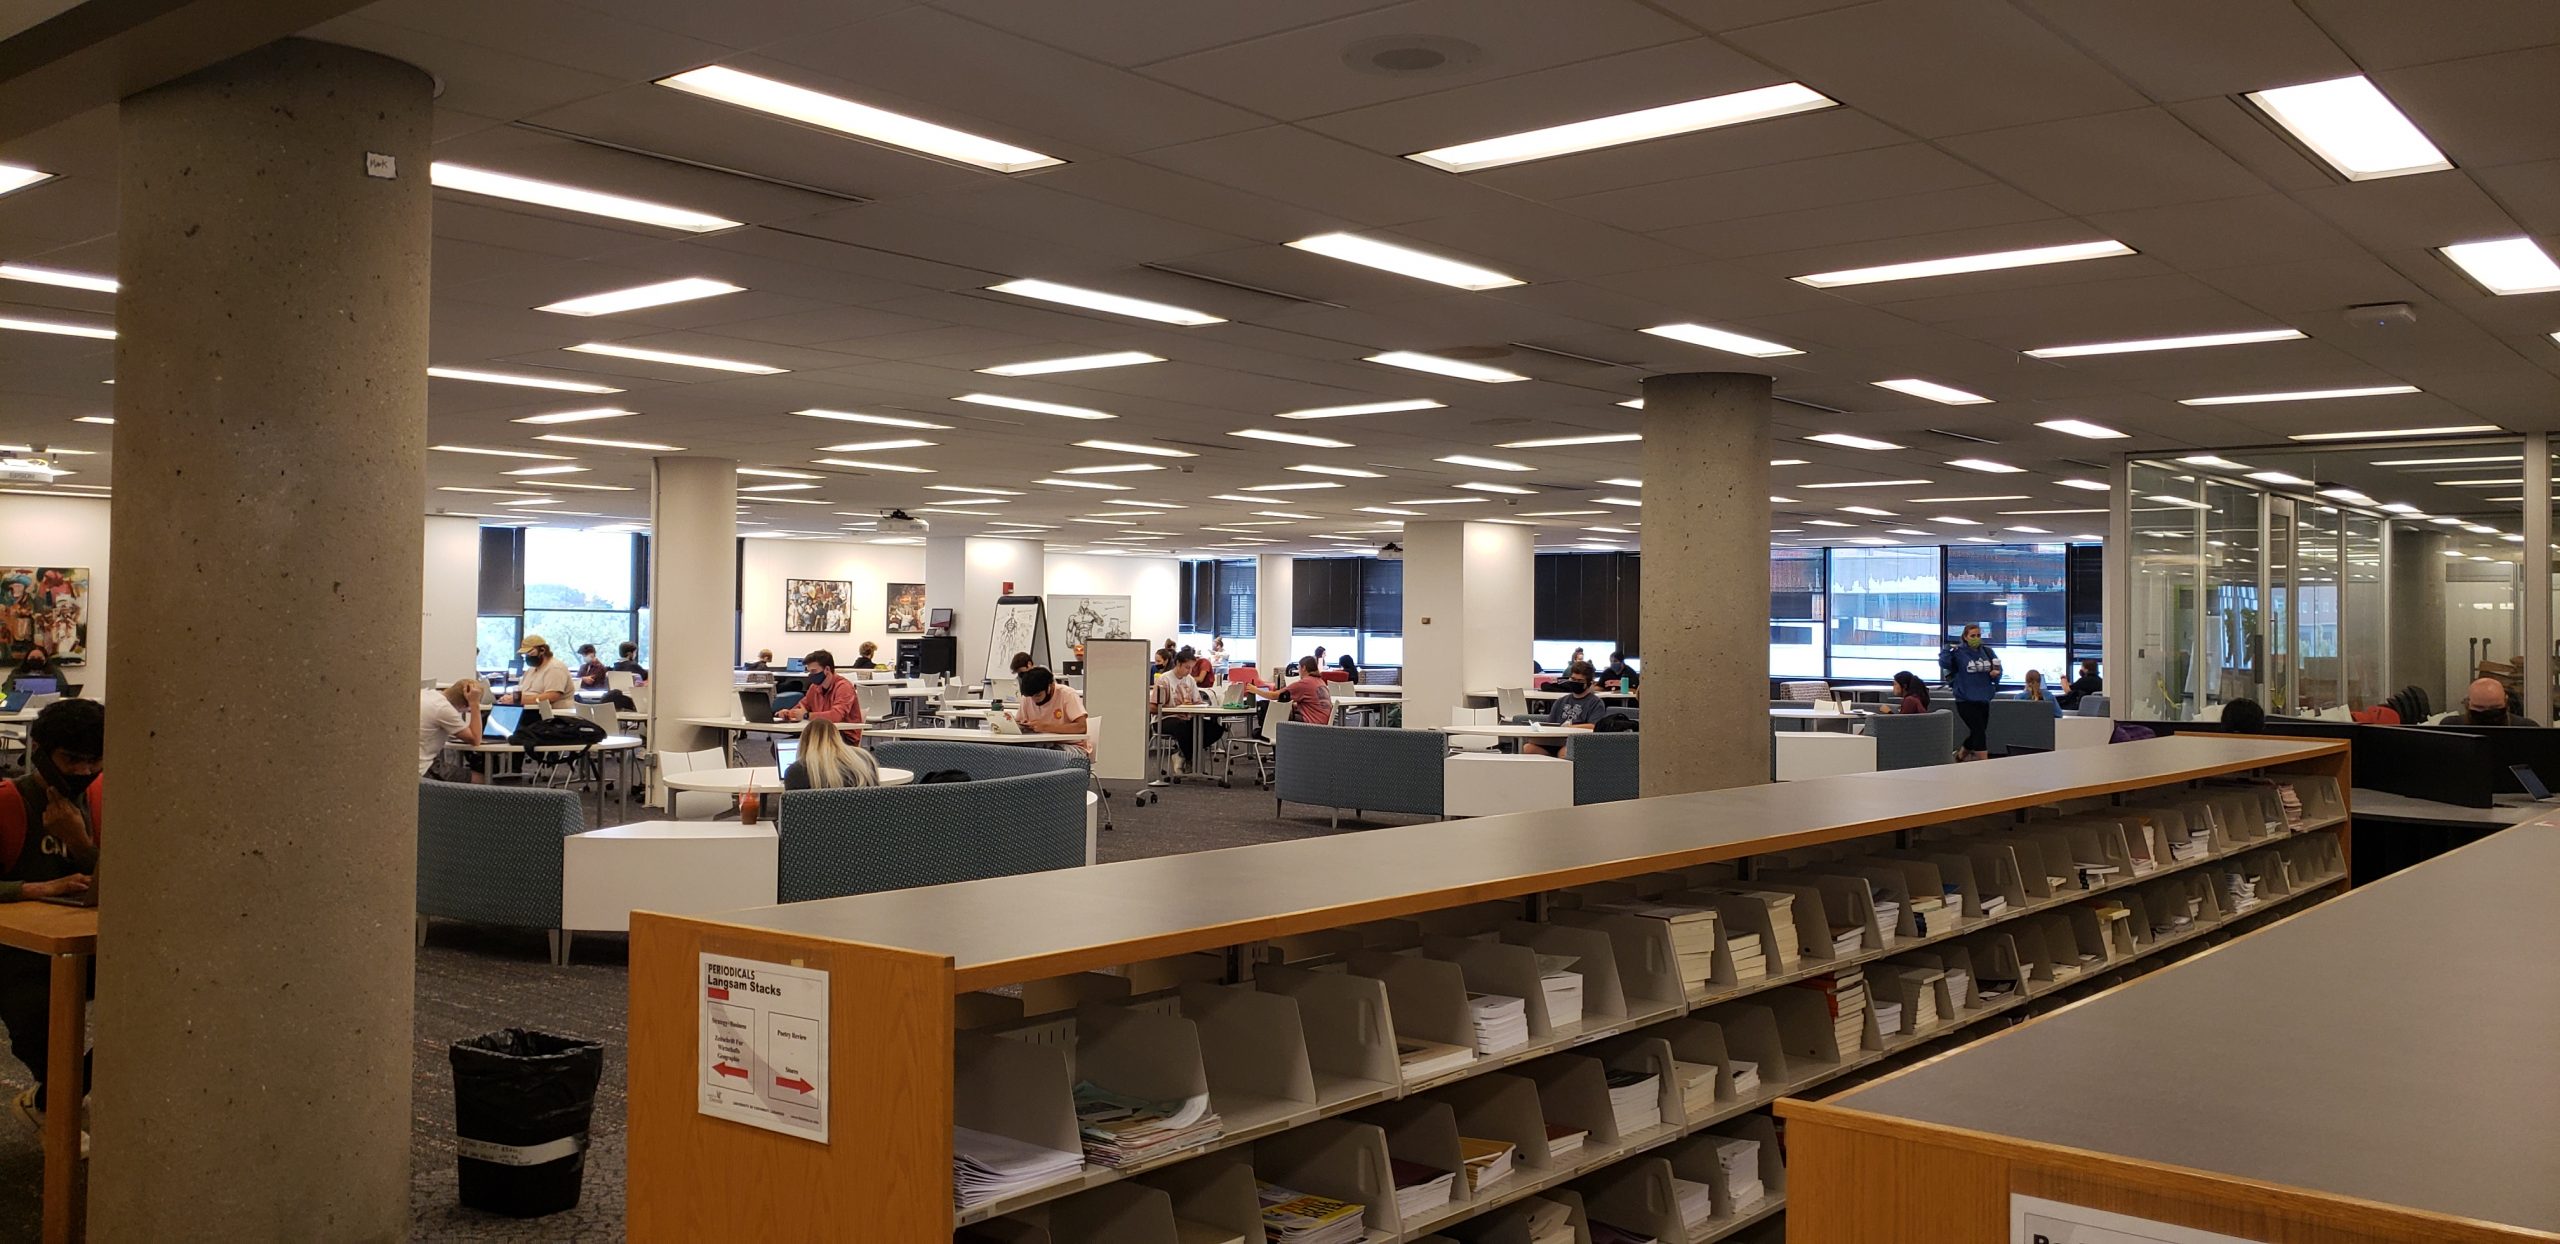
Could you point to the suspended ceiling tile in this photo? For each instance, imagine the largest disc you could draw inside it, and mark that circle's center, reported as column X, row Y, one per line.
column 1941, row 211
column 2227, row 233
column 1139, row 32
column 2486, row 110
column 2390, row 34
column 1826, row 181
column 1939, row 67
column 2186, row 49
column 2143, row 158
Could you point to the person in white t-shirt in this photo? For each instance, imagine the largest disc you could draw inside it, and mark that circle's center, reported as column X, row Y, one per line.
column 1177, row 687
column 450, row 715
column 546, row 677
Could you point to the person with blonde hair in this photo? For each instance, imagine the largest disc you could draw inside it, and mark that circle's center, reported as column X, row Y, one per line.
column 450, row 715
column 828, row 762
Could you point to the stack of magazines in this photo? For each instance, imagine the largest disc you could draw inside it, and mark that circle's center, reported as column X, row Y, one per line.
column 1121, row 1130
column 985, row 1167
column 1293, row 1217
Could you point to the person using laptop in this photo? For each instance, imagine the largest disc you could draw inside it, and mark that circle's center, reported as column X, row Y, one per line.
column 1308, row 696
column 1050, row 707
column 592, row 675
column 1179, row 687
column 830, row 696
column 630, row 662
column 2485, row 704
column 867, row 657
column 827, row 762
column 763, row 661
column 37, row 664
column 546, row 677
column 448, row 716
column 50, row 823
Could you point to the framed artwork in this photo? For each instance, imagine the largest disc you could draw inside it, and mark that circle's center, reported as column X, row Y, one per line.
column 1082, row 618
column 906, row 609
column 817, row 605
column 47, row 607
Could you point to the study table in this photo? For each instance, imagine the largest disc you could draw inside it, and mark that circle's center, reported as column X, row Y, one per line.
column 762, row 780
column 951, row 734
column 68, row 937
column 620, row 746
column 1813, row 719
column 1199, row 715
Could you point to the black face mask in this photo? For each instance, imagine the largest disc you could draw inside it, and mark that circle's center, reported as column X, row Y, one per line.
column 2488, row 717
column 73, row 785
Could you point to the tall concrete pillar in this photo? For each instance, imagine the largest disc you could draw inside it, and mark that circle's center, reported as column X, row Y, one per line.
column 968, row 575
column 1275, row 607
column 1468, row 624
column 693, row 570
column 254, row 1022
column 2417, row 591
column 1706, row 581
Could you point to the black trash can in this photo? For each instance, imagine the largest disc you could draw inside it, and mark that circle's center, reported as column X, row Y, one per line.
column 522, row 1101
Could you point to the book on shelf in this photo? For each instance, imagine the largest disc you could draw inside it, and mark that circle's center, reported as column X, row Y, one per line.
column 1993, row 988
column 1696, row 1202
column 1420, row 1189
column 1564, row 1139
column 1185, row 1231
column 1740, row 1158
column 1697, row 1082
column 1888, row 1017
column 2057, row 883
column 1847, row 939
column 1994, row 904
column 1501, row 1022
column 2193, row 847
column 1635, row 1097
column 1293, row 1217
column 1888, row 914
column 1488, row 1161
column 1960, row 987
column 1563, row 989
column 2094, row 875
column 1123, row 1130
column 1781, row 907
column 1746, row 1076
column 1693, row 935
column 1549, row 1222
column 987, row 1167
column 1603, row 1233
column 1420, row 1059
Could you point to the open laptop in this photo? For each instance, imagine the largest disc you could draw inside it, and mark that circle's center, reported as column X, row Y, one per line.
column 2530, row 781
column 14, row 701
column 784, row 752
column 1001, row 723
column 38, row 686
column 500, row 724
column 796, row 665
column 755, row 706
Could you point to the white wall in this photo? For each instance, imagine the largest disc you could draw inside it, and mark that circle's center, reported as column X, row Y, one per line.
column 990, row 564
column 1501, row 591
column 64, row 531
column 871, row 568
column 449, row 622
column 1467, row 615
column 1152, row 584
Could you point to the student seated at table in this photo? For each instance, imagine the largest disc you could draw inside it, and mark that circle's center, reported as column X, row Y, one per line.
column 827, row 762
column 546, row 678
column 2088, row 683
column 862, row 658
column 763, row 661
column 1049, row 706
column 830, row 696
column 2035, row 691
column 592, row 675
column 1350, row 669
column 1580, row 705
column 50, row 824
column 1619, row 676
column 1177, row 687
column 1021, row 661
column 2485, row 703
column 2243, row 716
column 449, row 716
column 1310, row 700
column 630, row 662
column 37, row 663
column 1911, row 694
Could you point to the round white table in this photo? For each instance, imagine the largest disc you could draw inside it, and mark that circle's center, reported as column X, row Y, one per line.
column 762, row 780
column 622, row 746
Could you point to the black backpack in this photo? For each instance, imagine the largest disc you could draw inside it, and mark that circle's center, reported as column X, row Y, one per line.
column 561, row 731
column 944, row 775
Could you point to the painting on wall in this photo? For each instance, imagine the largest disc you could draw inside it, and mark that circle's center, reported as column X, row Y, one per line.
column 44, row 607
column 820, row 605
column 906, row 609
column 1079, row 618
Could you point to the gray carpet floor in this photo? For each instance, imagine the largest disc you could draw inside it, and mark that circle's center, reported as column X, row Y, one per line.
column 472, row 981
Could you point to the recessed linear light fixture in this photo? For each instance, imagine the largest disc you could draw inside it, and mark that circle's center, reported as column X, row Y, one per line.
column 2280, row 479
column 2444, row 462
column 2082, row 428
column 2104, row 248
column 1847, row 440
column 2348, row 123
column 873, row 447
column 1361, row 408
column 56, row 276
column 1443, row 501
column 1560, row 513
column 2479, row 483
column 1113, row 468
column 1826, row 522
column 1953, row 521
column 2466, row 429
column 500, row 453
column 576, row 416
column 1124, row 447
column 638, row 297
column 2085, row 485
column 1284, row 487
column 1094, row 484
column 2506, row 266
column 500, row 492
column 601, row 443
column 1097, row 300
column 777, row 473
column 1719, row 339
column 448, row 176
column 1868, row 510
column 2166, row 343
column 2211, row 460
column 1986, row 466
column 1292, row 438
column 864, row 464
column 2299, row 395
column 2402, row 507
column 58, row 328
column 1080, row 362
column 1345, row 472
column 1505, row 489
column 1618, row 129
column 1037, row 408
column 1629, row 502
column 1415, row 360
column 108, row 420
column 1942, row 394
column 14, row 178
column 1388, row 509
column 525, row 382
column 704, row 361
column 1623, row 482
column 778, row 488
column 983, row 492
column 1403, row 261
column 844, row 116
column 886, row 421
column 1490, row 464
column 1962, row 500
column 1865, row 483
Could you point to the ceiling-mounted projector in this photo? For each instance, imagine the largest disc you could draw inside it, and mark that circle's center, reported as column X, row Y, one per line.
column 24, row 470
column 896, row 522
column 1391, row 552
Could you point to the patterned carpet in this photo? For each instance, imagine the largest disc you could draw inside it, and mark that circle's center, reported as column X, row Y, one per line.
column 472, row 981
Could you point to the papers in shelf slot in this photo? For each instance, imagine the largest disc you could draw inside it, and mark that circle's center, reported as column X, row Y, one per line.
column 1293, row 1217
column 1994, row 904
column 1697, row 1082
column 1121, row 1130
column 1846, row 939
column 1501, row 1022
column 1488, row 1161
column 986, row 1167
column 1420, row 1059
column 2057, row 883
column 1563, row 989
column 1888, row 1017
column 1960, row 987
column 1697, row 1202
column 1746, row 1076
column 1564, row 1139
column 1419, row 1188
column 1740, row 1158
column 1994, row 988
column 1549, row 1222
column 1693, row 935
column 1603, row 1233
column 1635, row 1097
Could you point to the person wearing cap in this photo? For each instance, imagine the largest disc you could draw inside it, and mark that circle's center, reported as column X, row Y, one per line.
column 546, row 679
column 2485, row 704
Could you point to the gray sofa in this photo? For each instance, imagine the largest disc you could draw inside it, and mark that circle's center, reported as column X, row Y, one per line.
column 1363, row 768
column 2019, row 726
column 1604, row 766
column 858, row 841
column 491, row 855
column 978, row 760
column 1913, row 740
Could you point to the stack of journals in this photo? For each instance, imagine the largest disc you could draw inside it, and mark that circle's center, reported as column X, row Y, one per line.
column 2066, row 969
column 2239, row 891
column 985, row 1167
column 1697, row 1203
column 1888, row 1018
column 2194, row 846
column 1488, row 1161
column 2057, row 883
column 1603, row 1233
column 1563, row 989
column 1636, row 1099
column 2292, row 803
column 1550, row 1222
column 1888, row 913
column 1994, row 904
column 1501, row 1022
column 1697, row 1083
column 1960, row 987
column 1921, row 986
column 1693, row 937
column 1749, row 964
column 1741, row 1160
column 1419, row 1188
column 1564, row 1140
column 1846, row 994
column 1847, row 939
column 1746, row 1076
column 1932, row 914
column 1121, row 1130
column 1293, row 1217
column 1422, row 1059
column 2094, row 875
column 2144, row 843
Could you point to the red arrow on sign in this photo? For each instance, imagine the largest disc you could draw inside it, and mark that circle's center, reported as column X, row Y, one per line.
column 727, row 1070
column 802, row 1086
column 720, row 992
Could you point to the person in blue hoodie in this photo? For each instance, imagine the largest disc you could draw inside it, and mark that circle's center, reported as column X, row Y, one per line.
column 1972, row 668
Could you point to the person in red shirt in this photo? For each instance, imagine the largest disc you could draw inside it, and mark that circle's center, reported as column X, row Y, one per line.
column 50, row 824
column 830, row 696
column 1309, row 695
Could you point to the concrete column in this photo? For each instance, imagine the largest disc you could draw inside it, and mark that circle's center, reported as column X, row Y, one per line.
column 1706, row 581
column 2417, row 592
column 968, row 574
column 693, row 572
column 1275, row 605
column 1467, row 617
column 254, row 1020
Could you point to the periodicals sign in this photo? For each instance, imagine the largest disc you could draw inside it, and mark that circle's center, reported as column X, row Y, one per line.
column 2035, row 1220
column 764, row 1045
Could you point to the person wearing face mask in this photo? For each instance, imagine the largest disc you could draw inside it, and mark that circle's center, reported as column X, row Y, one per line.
column 2485, row 704
column 1972, row 669
column 546, row 677
column 50, row 823
column 37, row 663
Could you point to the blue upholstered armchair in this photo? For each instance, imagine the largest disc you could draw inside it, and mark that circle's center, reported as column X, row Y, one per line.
column 491, row 855
column 1912, row 740
column 2020, row 726
column 978, row 760
column 1604, row 766
column 1363, row 768
column 857, row 841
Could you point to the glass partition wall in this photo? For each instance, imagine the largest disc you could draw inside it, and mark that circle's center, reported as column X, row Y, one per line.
column 2320, row 581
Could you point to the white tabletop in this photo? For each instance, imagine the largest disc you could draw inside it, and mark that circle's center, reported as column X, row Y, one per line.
column 1504, row 730
column 1794, row 714
column 761, row 778
column 611, row 743
column 1383, row 688
column 667, row 830
column 1211, row 710
column 949, row 734
column 742, row 724
column 1542, row 693
column 1365, row 701
column 962, row 703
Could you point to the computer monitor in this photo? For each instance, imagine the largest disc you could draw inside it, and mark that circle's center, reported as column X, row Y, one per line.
column 938, row 619
column 797, row 665
column 39, row 686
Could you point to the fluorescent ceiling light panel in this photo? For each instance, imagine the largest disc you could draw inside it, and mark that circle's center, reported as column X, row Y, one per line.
column 2299, row 395
column 987, row 492
column 1826, row 522
column 1097, row 300
column 109, row 420
column 1415, row 360
column 1037, row 408
column 778, row 488
column 1559, row 442
column 2465, row 429
column 500, row 453
column 844, row 116
column 2432, row 462
column 1939, row 393
column 2082, row 428
column 861, row 464
column 2402, row 507
column 1284, row 487
column 886, row 421
column 2085, row 485
column 1719, row 339
column 1444, row 501
column 1625, row 501
column 601, row 443
column 2197, row 342
column 659, row 294
column 870, row 447
column 1490, row 464
column 1292, row 438
column 1687, row 117
column 1080, row 362
column 1388, row 509
column 1155, row 505
column 610, row 350
column 2507, row 265
column 575, row 416
column 1346, row 472
column 2210, row 460
column 57, row 276
column 2104, row 248
column 1124, row 447
column 526, row 382
column 1361, row 408
column 546, row 470
column 57, row 328
column 14, row 178
column 1986, row 466
column 1953, row 521
column 1095, row 484
column 1403, row 261
column 2347, row 122
column 1560, row 513
column 2479, row 483
column 1505, row 489
column 2279, row 478
column 1868, row 510
column 1623, row 482
column 502, row 492
column 1865, row 483
column 1115, row 468
column 448, row 176
column 1847, row 440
